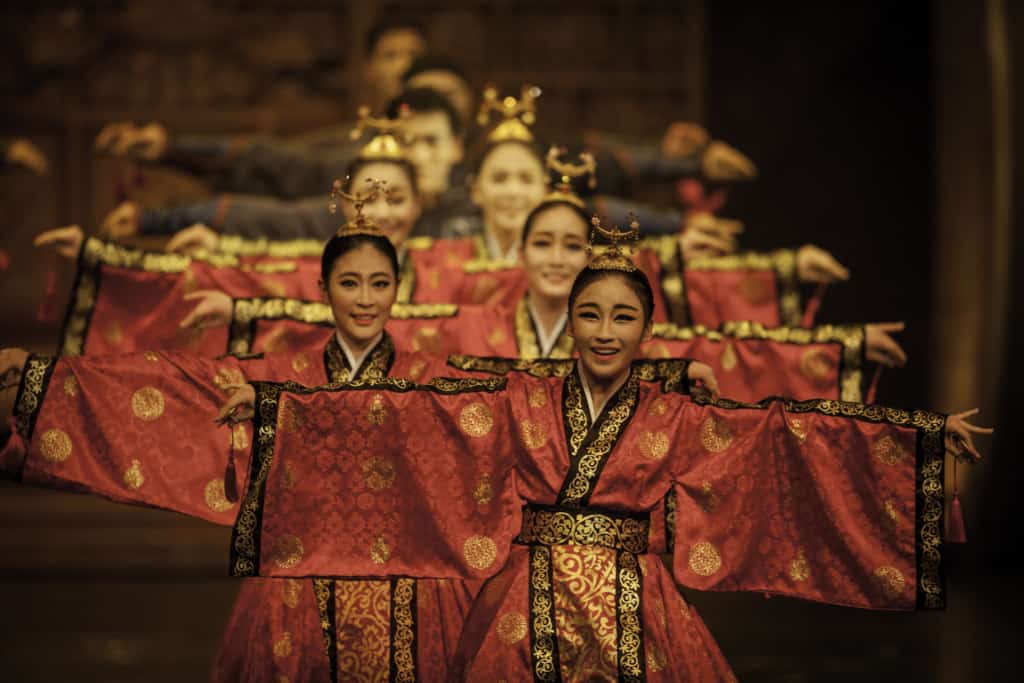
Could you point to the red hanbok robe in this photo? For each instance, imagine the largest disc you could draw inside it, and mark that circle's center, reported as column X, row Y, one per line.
column 759, row 287
column 750, row 361
column 276, row 627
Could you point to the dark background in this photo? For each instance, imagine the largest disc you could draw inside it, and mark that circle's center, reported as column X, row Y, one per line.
column 883, row 132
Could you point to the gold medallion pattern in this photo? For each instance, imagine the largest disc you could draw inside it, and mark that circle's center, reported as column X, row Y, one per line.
column 379, row 551
column 653, row 445
column 658, row 407
column 708, row 499
column 71, row 385
column 584, row 582
column 537, row 398
column 480, row 552
column 377, row 413
column 133, row 477
column 728, row 359
column 378, row 473
column 799, row 569
column 797, row 427
column 55, row 445
column 291, row 591
column 287, row 551
column 815, row 364
column 300, row 363
column 704, row 559
column 283, row 645
column 891, row 580
column 148, row 404
column 535, row 434
column 476, row 420
column 715, row 434
column 511, row 628
column 214, row 496
column 888, row 451
column 483, row 493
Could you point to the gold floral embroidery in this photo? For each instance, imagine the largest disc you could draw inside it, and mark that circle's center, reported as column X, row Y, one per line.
column 537, row 398
column 55, row 445
column 476, row 420
column 148, row 404
column 283, row 646
column 799, row 569
column 151, row 356
column 133, row 477
column 403, row 630
column 728, row 359
column 363, row 630
column 214, row 496
column 71, row 385
column 378, row 413
column 584, row 581
column 891, row 513
column 511, row 628
column 378, row 473
column 379, row 551
column 535, row 434
column 653, row 445
column 483, row 493
column 480, row 552
column 542, row 614
column 287, row 551
column 704, row 559
column 797, row 428
column 891, row 580
column 300, row 363
column 658, row 407
column 554, row 526
column 709, row 499
column 631, row 664
column 289, row 419
column 815, row 364
column 715, row 434
column 656, row 660
column 888, row 451
column 291, row 591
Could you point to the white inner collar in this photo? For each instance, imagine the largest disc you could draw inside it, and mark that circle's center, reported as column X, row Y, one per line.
column 545, row 339
column 595, row 410
column 356, row 361
column 494, row 250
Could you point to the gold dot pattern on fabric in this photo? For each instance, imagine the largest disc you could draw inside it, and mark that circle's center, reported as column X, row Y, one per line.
column 704, row 559
column 291, row 591
column 378, row 473
column 888, row 451
column 715, row 434
column 148, row 404
column 151, row 356
column 483, row 493
column 653, row 445
column 71, row 385
column 497, row 336
column 511, row 628
column 658, row 407
column 379, row 551
column 656, row 660
column 55, row 445
column 891, row 513
column 113, row 333
column 891, row 580
column 377, row 414
column 815, row 364
column 708, row 499
column 534, row 434
column 426, row 339
column 214, row 496
column 728, row 359
column 799, row 569
column 479, row 551
column 537, row 398
column 287, row 551
column 416, row 369
column 797, row 427
column 476, row 420
column 133, row 477
column 300, row 363
column 288, row 419
column 283, row 645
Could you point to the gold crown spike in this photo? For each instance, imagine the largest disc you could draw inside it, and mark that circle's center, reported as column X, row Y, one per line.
column 387, row 142
column 360, row 225
column 614, row 256
column 518, row 114
column 567, row 170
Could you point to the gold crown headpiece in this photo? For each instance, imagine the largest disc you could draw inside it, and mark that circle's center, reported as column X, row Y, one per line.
column 614, row 256
column 360, row 225
column 519, row 114
column 388, row 141
column 567, row 171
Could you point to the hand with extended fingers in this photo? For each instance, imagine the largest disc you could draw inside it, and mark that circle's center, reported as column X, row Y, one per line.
column 125, row 139
column 881, row 348
column 724, row 162
column 706, row 235
column 22, row 152
column 213, row 310
column 959, row 443
column 65, row 241
column 123, row 221
column 195, row 238
column 683, row 139
column 240, row 405
column 814, row 264
column 12, row 361
column 703, row 373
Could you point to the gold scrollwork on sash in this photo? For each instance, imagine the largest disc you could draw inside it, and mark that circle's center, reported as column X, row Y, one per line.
column 34, row 380
column 543, row 653
column 627, row 607
column 403, row 630
column 553, row 526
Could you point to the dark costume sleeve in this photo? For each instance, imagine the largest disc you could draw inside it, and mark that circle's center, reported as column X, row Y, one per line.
column 653, row 220
column 248, row 216
column 824, row 500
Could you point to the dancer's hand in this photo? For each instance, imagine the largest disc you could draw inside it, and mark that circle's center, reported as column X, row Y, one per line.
column 22, row 152
column 123, row 221
column 12, row 361
column 958, row 436
column 213, row 310
column 66, row 241
column 125, row 139
column 706, row 235
column 240, row 405
column 703, row 372
column 881, row 348
column 724, row 162
column 814, row 264
column 194, row 238
column 683, row 139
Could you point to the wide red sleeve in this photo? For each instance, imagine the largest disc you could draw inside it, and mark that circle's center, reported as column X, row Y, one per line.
column 752, row 362
column 414, row 481
column 825, row 500
column 759, row 287
column 133, row 428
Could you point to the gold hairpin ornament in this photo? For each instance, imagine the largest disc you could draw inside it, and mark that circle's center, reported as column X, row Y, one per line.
column 613, row 256
column 567, row 171
column 360, row 225
column 517, row 114
column 389, row 140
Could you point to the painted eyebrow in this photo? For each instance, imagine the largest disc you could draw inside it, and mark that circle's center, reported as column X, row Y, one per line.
column 351, row 273
column 627, row 306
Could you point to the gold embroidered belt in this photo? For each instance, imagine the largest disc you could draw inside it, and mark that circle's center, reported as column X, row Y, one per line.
column 554, row 525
